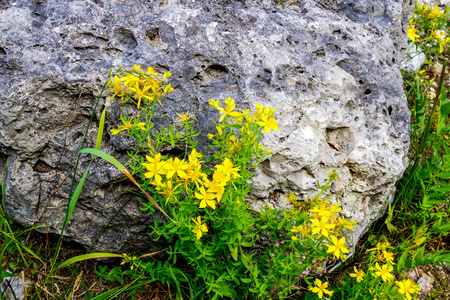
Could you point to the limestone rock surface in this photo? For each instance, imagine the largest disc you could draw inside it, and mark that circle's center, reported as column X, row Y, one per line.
column 329, row 68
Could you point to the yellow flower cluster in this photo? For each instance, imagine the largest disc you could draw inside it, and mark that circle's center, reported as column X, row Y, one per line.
column 139, row 85
column 384, row 271
column 429, row 21
column 263, row 117
column 128, row 125
column 407, row 287
column 173, row 175
column 430, row 14
column 325, row 222
column 127, row 259
column 381, row 253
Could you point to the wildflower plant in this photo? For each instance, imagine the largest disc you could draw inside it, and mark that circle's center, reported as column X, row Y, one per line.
column 375, row 278
column 217, row 245
column 430, row 25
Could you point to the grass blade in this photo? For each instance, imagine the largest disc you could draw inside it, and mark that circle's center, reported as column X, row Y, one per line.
column 74, row 199
column 100, row 130
column 85, row 257
column 105, row 156
column 18, row 244
column 4, row 274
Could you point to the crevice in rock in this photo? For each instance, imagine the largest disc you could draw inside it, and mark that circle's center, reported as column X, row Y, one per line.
column 153, row 37
column 41, row 167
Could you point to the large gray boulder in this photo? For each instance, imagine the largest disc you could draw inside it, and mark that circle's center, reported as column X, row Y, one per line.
column 330, row 68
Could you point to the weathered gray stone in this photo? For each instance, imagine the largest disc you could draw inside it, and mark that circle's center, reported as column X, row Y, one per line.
column 426, row 283
column 330, row 68
column 12, row 287
column 414, row 58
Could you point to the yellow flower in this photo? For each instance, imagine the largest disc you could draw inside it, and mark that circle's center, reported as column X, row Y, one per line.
column 176, row 167
column 268, row 124
column 407, row 287
column 153, row 171
column 197, row 176
column 294, row 238
column 199, row 227
column 384, row 272
column 337, row 247
column 116, row 88
column 207, row 199
column 127, row 125
column 228, row 111
column 167, row 189
column 219, row 130
column 194, row 156
column 389, row 257
column 322, row 210
column 214, row 103
column 321, row 226
column 184, row 117
column 130, row 79
column 381, row 247
column 320, row 288
column 228, row 169
column 359, row 274
column 291, row 197
column 156, row 159
column 412, row 33
column 303, row 229
column 140, row 93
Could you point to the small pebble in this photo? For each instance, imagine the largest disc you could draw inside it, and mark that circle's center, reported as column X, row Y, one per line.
column 426, row 283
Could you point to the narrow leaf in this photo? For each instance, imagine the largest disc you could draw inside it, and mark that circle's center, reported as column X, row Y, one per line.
column 443, row 113
column 4, row 274
column 417, row 258
column 85, row 257
column 18, row 244
column 100, row 130
column 105, row 156
column 402, row 260
column 74, row 199
column 153, row 253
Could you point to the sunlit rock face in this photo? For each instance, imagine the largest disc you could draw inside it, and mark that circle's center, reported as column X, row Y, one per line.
column 329, row 68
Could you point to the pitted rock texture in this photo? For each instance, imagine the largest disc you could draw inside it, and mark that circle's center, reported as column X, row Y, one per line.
column 329, row 68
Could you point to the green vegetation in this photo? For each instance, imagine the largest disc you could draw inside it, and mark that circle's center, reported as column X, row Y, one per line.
column 217, row 247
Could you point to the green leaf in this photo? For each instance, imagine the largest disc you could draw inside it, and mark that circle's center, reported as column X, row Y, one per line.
column 85, row 257
column 100, row 130
column 4, row 274
column 443, row 115
column 402, row 260
column 234, row 252
column 18, row 244
column 246, row 280
column 417, row 258
column 280, row 225
column 74, row 199
column 105, row 156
